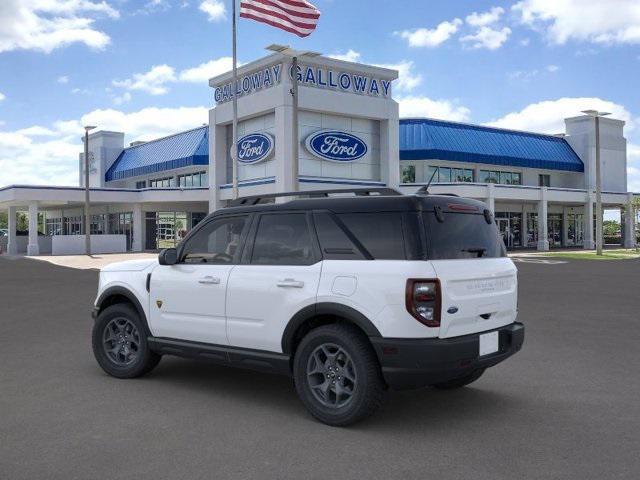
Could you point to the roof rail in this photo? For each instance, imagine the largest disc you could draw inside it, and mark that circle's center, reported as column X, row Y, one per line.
column 256, row 199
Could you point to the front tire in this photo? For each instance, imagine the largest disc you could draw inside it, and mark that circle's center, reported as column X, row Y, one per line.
column 337, row 375
column 120, row 343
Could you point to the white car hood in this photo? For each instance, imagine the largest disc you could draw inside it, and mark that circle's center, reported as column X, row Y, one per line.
column 130, row 265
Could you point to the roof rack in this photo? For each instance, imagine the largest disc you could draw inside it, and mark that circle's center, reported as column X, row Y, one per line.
column 365, row 192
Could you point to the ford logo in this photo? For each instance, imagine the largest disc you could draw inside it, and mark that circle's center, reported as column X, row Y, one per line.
column 255, row 148
column 336, row 146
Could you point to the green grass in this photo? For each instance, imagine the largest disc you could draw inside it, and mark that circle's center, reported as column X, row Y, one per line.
column 618, row 254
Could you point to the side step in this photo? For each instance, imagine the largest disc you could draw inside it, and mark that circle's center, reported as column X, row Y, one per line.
column 260, row 360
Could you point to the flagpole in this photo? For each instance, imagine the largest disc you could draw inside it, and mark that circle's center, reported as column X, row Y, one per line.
column 294, row 126
column 234, row 146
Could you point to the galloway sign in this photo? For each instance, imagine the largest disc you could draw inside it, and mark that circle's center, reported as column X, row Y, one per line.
column 336, row 146
column 328, row 78
column 248, row 84
column 254, row 148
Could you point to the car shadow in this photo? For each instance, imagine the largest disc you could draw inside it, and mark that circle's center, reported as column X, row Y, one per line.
column 403, row 411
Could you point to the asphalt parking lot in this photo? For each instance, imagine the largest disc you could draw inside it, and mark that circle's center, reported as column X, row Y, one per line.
column 567, row 406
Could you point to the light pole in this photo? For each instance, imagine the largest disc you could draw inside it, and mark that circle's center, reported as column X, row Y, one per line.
column 596, row 114
column 295, row 144
column 87, row 216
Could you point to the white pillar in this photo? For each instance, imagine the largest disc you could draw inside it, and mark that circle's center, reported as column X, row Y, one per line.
column 283, row 154
column 491, row 200
column 136, row 244
column 589, row 242
column 565, row 227
column 543, row 238
column 219, row 151
column 629, row 224
column 33, row 248
column 12, row 245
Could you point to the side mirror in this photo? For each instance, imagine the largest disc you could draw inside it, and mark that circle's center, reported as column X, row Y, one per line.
column 168, row 256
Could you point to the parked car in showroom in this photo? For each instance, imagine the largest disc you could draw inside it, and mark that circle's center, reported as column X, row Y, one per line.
column 348, row 294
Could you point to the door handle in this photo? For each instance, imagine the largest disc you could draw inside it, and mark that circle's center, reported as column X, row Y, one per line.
column 290, row 283
column 209, row 280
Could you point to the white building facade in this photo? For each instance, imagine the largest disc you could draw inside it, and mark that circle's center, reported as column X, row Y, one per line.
column 148, row 195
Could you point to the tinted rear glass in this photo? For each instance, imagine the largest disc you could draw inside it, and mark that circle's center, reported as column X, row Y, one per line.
column 380, row 233
column 462, row 235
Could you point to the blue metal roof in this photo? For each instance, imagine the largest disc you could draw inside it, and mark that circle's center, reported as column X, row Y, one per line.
column 427, row 139
column 183, row 149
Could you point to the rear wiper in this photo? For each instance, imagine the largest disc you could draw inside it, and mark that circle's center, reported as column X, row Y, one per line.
column 480, row 251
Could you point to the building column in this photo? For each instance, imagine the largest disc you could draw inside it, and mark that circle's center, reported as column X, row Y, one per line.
column 491, row 200
column 565, row 227
column 138, row 220
column 629, row 223
column 32, row 247
column 543, row 237
column 589, row 242
column 12, row 245
column 283, row 154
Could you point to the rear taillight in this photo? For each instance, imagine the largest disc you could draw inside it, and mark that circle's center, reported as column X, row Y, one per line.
column 423, row 301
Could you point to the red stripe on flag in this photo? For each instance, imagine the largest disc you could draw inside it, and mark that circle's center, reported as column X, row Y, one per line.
column 293, row 13
column 274, row 24
column 273, row 13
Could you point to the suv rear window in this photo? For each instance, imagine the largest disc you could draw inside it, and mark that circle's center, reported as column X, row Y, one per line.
column 380, row 233
column 462, row 235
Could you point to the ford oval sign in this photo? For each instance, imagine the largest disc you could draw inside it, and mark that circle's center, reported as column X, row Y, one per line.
column 336, row 146
column 255, row 148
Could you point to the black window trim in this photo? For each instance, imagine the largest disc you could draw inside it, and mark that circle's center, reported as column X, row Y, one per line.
column 247, row 252
column 352, row 238
column 207, row 221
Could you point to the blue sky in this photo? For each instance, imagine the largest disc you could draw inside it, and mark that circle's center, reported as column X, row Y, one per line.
column 142, row 66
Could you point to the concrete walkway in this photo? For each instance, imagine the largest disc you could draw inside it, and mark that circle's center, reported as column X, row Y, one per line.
column 85, row 262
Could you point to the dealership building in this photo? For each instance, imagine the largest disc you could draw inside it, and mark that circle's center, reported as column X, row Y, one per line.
column 147, row 195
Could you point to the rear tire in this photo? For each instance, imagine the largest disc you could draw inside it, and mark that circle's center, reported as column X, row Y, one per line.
column 459, row 382
column 337, row 375
column 120, row 344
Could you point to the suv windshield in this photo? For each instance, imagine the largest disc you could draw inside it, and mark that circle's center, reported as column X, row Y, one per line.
column 462, row 235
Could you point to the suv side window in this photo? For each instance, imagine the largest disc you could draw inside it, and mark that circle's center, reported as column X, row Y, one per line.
column 380, row 233
column 283, row 239
column 334, row 241
column 215, row 243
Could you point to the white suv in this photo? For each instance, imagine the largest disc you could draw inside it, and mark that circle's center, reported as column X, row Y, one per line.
column 349, row 295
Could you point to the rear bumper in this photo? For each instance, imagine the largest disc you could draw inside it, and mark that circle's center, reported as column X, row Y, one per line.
column 414, row 363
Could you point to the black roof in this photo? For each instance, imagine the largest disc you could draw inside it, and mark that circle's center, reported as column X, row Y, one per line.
column 378, row 203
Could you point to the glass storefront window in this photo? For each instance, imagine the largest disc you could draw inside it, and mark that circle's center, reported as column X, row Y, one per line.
column 487, row 176
column 408, row 174
column 510, row 228
column 554, row 229
column 532, row 229
column 504, row 178
column 575, row 229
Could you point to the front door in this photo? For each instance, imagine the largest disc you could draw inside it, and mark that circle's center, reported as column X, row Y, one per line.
column 278, row 277
column 188, row 300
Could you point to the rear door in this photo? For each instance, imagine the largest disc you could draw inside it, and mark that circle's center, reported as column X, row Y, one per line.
column 278, row 276
column 478, row 281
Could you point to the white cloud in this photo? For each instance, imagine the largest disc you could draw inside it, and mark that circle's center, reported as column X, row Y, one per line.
column 552, row 68
column 349, row 56
column 120, row 99
column 203, row 72
column 525, row 42
column 2, row 96
column 420, row 106
column 526, row 75
column 45, row 25
column 548, row 116
column 486, row 18
column 595, row 21
column 214, row 9
column 407, row 78
column 48, row 155
column 487, row 37
column 154, row 81
column 63, row 79
column 424, row 37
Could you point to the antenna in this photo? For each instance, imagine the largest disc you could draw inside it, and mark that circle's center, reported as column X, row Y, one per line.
column 425, row 190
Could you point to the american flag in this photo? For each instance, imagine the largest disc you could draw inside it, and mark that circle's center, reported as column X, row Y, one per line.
column 294, row 16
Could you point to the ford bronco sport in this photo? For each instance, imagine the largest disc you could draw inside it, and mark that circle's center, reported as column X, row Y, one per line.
column 349, row 295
